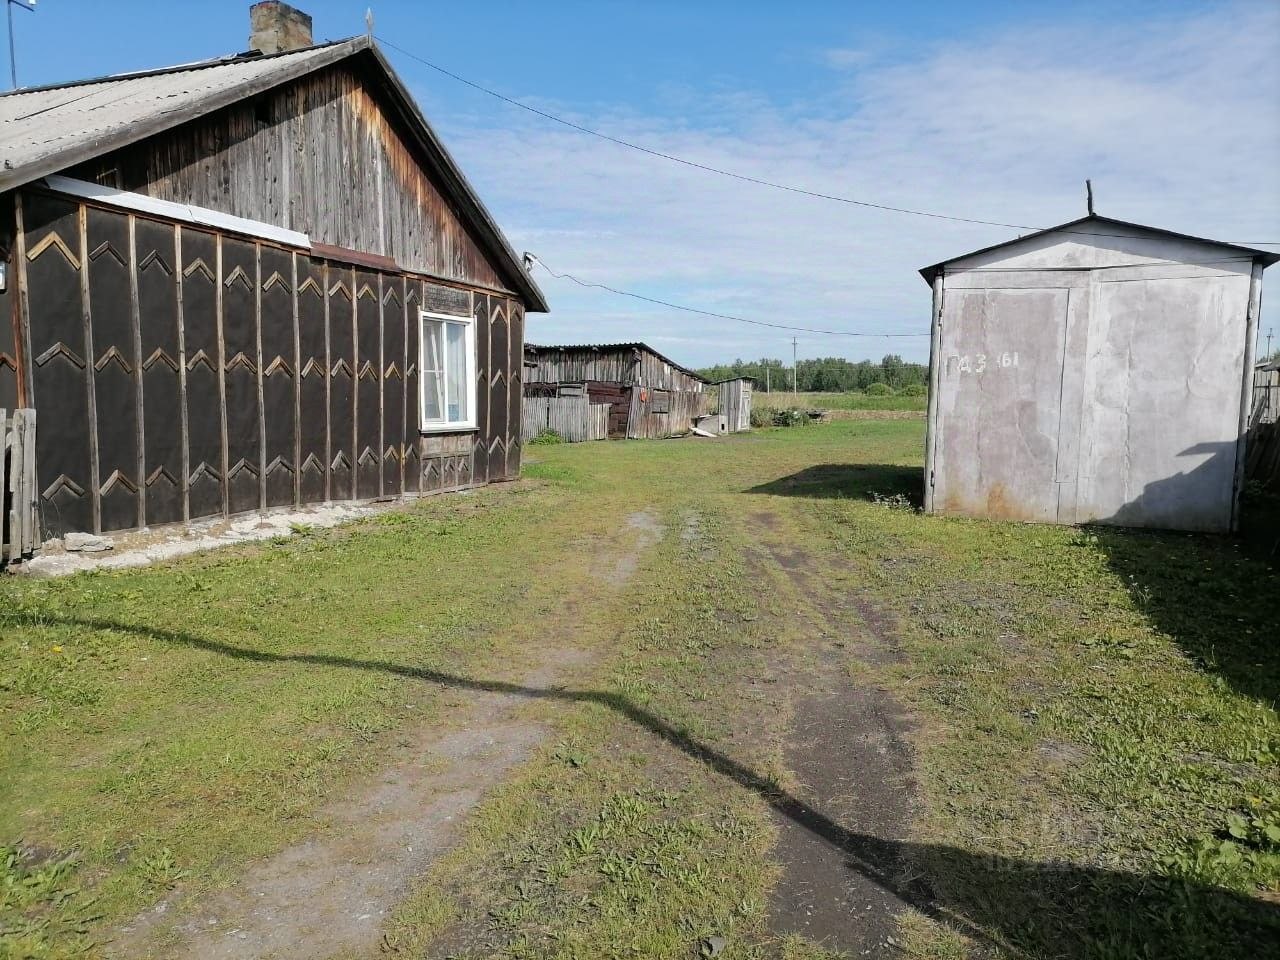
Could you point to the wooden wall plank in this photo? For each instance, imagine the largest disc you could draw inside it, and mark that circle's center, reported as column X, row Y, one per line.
column 367, row 191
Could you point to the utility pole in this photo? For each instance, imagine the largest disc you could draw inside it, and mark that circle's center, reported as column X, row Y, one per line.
column 13, row 59
column 768, row 368
column 794, row 369
column 1269, row 333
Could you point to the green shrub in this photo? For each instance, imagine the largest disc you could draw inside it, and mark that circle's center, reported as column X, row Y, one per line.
column 761, row 416
column 879, row 390
column 547, row 437
column 915, row 390
column 791, row 417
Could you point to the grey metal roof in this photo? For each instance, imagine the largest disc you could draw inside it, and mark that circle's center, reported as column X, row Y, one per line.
column 1095, row 226
column 44, row 130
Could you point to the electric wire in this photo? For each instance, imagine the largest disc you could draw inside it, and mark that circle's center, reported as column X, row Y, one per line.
column 745, row 178
column 711, row 313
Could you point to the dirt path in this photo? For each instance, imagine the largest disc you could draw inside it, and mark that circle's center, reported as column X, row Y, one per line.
column 332, row 893
column 843, row 885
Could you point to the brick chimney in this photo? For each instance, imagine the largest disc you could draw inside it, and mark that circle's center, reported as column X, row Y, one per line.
column 276, row 27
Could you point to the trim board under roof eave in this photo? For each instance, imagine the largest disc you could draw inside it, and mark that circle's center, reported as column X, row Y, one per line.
column 182, row 212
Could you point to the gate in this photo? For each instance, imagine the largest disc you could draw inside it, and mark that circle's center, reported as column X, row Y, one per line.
column 19, row 529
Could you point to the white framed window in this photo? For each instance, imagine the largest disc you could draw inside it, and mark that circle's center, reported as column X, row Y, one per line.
column 447, row 372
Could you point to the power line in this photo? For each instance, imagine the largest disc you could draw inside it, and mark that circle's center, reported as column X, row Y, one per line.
column 745, row 178
column 711, row 313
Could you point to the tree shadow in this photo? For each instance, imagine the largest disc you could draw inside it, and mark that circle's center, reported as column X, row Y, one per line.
column 1211, row 595
column 1044, row 909
column 849, row 481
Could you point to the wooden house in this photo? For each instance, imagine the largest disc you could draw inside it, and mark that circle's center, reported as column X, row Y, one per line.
column 251, row 282
column 648, row 395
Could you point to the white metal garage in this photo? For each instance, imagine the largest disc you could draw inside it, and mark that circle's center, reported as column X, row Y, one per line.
column 1099, row 371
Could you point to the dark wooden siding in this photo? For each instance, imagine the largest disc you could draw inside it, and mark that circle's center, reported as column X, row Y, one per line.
column 622, row 364
column 180, row 373
column 618, row 398
column 650, row 396
column 319, row 156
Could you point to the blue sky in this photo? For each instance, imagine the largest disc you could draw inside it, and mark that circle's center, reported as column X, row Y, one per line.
column 998, row 112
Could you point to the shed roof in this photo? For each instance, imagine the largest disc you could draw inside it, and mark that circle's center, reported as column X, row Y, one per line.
column 47, row 129
column 1096, row 226
column 534, row 348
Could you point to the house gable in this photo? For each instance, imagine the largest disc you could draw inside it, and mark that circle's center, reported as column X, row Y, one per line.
column 322, row 155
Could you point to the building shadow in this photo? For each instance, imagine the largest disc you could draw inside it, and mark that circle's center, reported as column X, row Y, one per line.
column 1006, row 904
column 1215, row 595
column 849, row 481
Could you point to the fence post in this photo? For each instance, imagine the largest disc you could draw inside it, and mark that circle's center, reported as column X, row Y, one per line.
column 8, row 507
column 19, row 531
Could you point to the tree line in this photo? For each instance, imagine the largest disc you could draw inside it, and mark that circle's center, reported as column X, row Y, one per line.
column 826, row 374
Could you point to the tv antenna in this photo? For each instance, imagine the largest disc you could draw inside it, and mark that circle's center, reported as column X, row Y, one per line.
column 30, row 7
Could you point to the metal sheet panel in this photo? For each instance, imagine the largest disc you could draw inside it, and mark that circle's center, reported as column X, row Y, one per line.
column 114, row 367
column 341, row 313
column 240, row 373
column 368, row 387
column 392, row 443
column 999, row 403
column 313, row 378
column 1161, row 404
column 279, row 378
column 203, row 373
column 62, row 376
column 163, row 419
column 411, row 439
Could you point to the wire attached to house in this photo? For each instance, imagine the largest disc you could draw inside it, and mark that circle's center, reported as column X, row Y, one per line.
column 745, row 178
column 711, row 313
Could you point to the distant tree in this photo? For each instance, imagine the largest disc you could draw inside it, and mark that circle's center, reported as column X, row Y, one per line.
column 824, row 374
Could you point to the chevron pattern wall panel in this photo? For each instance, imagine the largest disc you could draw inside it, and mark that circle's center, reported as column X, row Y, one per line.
column 180, row 373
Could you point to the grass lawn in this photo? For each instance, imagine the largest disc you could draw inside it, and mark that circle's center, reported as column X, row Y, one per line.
column 837, row 402
column 1091, row 713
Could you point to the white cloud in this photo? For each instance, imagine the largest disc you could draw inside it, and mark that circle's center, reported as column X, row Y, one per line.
column 1176, row 122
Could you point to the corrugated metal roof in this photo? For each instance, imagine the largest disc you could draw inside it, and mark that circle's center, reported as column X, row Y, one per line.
column 40, row 126
column 637, row 345
column 45, row 130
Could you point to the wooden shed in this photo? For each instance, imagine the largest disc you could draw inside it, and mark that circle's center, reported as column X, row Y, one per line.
column 735, row 403
column 648, row 395
column 1100, row 371
column 256, row 281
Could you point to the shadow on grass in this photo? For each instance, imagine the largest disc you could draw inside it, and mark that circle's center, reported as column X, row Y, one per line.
column 1040, row 908
column 849, row 481
column 1215, row 598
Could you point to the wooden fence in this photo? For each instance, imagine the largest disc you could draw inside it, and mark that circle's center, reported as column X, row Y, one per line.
column 1266, row 396
column 1262, row 456
column 575, row 419
column 19, row 529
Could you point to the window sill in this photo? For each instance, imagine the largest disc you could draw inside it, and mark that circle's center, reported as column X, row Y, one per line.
column 447, row 428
